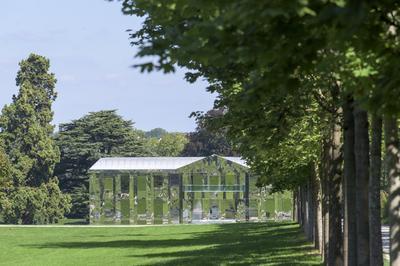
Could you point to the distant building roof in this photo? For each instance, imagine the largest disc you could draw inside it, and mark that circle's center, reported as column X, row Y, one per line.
column 152, row 163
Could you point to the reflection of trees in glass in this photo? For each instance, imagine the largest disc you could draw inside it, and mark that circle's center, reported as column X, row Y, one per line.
column 83, row 141
column 241, row 211
column 209, row 192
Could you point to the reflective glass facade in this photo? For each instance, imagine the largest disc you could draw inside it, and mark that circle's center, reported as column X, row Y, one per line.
column 212, row 189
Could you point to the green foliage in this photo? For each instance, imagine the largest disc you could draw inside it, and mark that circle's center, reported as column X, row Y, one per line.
column 34, row 205
column 5, row 166
column 250, row 58
column 270, row 61
column 156, row 133
column 160, row 142
column 83, row 141
column 207, row 140
column 170, row 144
column 25, row 124
column 28, row 191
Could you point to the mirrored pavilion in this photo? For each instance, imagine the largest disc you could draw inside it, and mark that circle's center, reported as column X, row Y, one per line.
column 163, row 190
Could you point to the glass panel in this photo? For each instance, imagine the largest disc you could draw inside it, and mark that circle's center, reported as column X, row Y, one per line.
column 141, row 200
column 229, row 209
column 117, row 199
column 214, row 180
column 149, row 199
column 94, row 189
column 198, row 181
column 214, row 208
column 206, row 206
column 253, row 209
column 108, row 200
column 125, row 199
column 197, row 209
column 132, row 200
column 211, row 189
column 187, row 207
column 158, row 210
column 269, row 207
column 161, row 196
column 254, row 198
column 241, row 211
column 174, row 198
column 283, row 205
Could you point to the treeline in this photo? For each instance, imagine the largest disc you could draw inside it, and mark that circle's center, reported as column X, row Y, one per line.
column 44, row 174
column 106, row 134
column 306, row 86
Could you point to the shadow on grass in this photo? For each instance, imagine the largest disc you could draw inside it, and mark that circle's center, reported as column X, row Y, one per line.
column 238, row 244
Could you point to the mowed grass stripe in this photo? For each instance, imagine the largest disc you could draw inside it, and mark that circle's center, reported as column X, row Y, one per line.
column 217, row 244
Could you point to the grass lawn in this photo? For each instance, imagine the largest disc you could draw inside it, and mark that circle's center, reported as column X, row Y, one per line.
column 237, row 244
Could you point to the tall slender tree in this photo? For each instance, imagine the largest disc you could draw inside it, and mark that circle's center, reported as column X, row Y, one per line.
column 32, row 195
column 26, row 123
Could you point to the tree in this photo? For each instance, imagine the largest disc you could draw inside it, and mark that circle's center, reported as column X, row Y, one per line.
column 258, row 56
column 30, row 193
column 26, row 128
column 156, row 133
column 34, row 205
column 393, row 170
column 5, row 165
column 170, row 144
column 207, row 139
column 83, row 141
column 374, row 192
column 361, row 148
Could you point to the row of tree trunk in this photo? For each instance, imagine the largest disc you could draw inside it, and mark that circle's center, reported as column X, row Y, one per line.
column 339, row 206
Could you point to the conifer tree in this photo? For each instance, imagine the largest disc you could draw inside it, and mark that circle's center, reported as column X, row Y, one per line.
column 29, row 192
column 83, row 141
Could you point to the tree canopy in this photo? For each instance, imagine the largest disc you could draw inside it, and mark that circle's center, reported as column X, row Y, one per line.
column 29, row 191
column 289, row 73
column 208, row 139
column 85, row 140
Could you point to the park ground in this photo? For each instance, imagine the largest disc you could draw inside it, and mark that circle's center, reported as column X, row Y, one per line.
column 214, row 244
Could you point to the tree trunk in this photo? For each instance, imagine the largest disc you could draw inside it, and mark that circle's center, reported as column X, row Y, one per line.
column 325, row 207
column 325, row 200
column 305, row 210
column 334, row 189
column 375, row 234
column 311, row 208
column 393, row 170
column 349, row 187
column 299, row 218
column 361, row 151
column 318, row 213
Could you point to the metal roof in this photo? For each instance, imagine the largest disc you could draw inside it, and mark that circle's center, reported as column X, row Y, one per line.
column 237, row 160
column 152, row 163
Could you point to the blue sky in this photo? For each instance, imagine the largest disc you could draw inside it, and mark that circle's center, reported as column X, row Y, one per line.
column 87, row 44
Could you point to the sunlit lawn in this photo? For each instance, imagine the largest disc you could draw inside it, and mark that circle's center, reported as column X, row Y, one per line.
column 238, row 244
